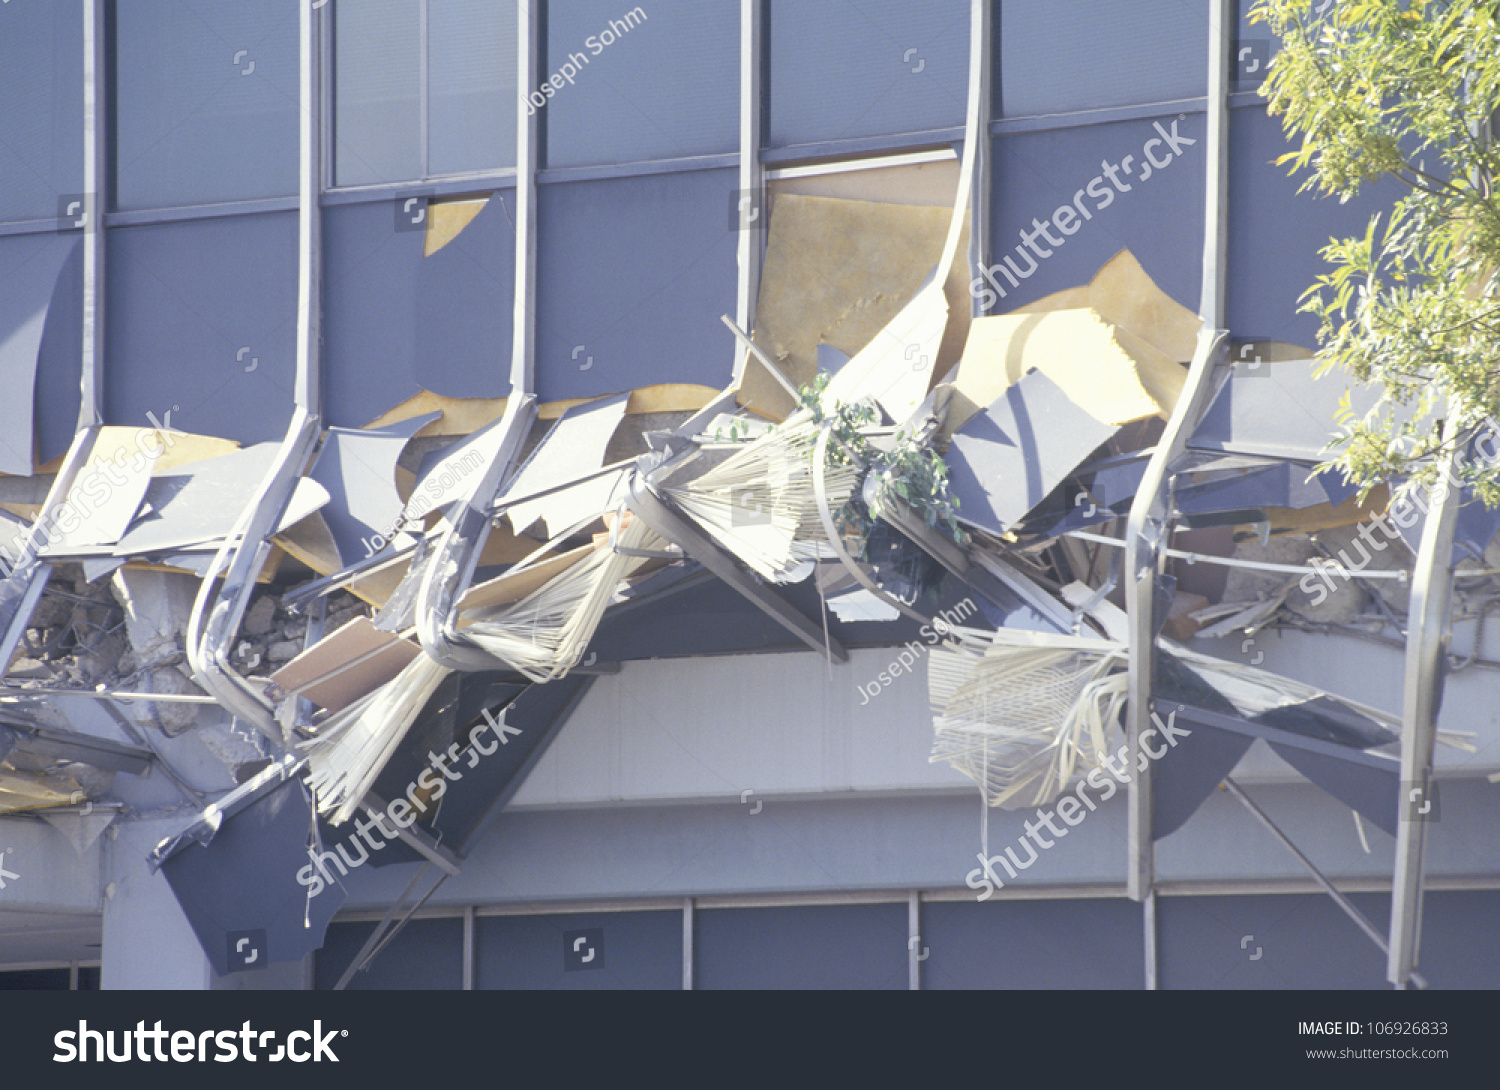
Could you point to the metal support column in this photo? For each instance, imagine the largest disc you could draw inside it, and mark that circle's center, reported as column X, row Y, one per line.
column 1147, row 528
column 752, row 184
column 1427, row 637
column 981, row 57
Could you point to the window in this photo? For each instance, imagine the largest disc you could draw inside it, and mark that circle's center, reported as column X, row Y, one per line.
column 415, row 99
column 206, row 102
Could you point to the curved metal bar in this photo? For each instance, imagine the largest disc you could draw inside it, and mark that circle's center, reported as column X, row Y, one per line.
column 219, row 608
column 451, row 566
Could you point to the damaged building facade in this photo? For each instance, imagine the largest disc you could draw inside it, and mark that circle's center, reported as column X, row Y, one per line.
column 457, row 540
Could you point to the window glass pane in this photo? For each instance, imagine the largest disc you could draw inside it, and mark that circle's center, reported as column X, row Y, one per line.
column 427, row 955
column 842, row 69
column 377, row 92
column 1063, row 55
column 41, row 108
column 207, row 101
column 471, row 85
column 659, row 81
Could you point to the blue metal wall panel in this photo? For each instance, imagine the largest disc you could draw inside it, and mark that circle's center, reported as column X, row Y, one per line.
column 1033, row 944
column 842, row 70
column 626, row 950
column 466, row 307
column 203, row 323
column 206, row 105
column 369, row 311
column 634, row 274
column 1155, row 211
column 666, row 87
column 428, row 955
column 811, row 947
column 1058, row 56
column 59, row 364
column 41, row 108
column 1275, row 233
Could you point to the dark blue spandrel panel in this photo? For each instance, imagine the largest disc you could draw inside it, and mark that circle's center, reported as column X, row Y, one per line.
column 471, row 85
column 1060, row 56
column 203, row 323
column 1294, row 941
column 1275, row 232
column 1032, row 944
column 41, row 108
column 369, row 311
column 427, row 955
column 846, row 69
column 634, row 276
column 804, row 947
column 653, row 82
column 377, row 92
column 579, row 951
column 206, row 106
column 466, row 307
column 1155, row 210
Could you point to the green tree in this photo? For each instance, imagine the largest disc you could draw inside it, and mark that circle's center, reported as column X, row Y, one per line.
column 1402, row 89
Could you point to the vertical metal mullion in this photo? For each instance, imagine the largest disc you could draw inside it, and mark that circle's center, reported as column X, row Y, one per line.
column 1148, row 526
column 96, row 199
column 325, row 103
column 752, row 177
column 914, row 941
column 468, row 984
column 309, row 379
column 528, row 47
column 423, row 99
column 982, row 54
column 1148, row 922
column 688, row 923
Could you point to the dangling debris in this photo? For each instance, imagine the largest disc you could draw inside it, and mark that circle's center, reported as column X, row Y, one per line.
column 545, row 634
column 1020, row 712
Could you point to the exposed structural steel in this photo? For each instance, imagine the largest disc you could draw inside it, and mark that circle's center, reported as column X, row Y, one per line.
column 219, row 607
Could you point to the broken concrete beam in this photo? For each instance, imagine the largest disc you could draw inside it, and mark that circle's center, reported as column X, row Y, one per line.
column 158, row 606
